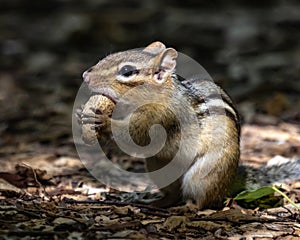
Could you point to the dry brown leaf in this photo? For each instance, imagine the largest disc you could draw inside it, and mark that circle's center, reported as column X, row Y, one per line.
column 124, row 210
column 188, row 207
column 234, row 215
column 13, row 179
column 105, row 221
column 174, row 222
column 25, row 176
column 151, row 221
column 207, row 225
column 129, row 234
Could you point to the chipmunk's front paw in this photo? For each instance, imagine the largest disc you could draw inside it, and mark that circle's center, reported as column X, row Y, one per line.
column 78, row 114
column 97, row 118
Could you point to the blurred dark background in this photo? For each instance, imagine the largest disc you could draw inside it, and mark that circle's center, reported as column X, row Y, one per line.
column 251, row 48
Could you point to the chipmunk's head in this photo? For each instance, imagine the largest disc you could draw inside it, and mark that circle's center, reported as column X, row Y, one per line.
column 119, row 72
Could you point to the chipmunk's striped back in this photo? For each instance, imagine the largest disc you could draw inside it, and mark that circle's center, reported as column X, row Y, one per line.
column 209, row 98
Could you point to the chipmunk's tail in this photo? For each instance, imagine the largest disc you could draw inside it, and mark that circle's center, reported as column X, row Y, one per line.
column 278, row 170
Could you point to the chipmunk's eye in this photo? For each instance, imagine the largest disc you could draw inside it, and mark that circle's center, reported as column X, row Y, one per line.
column 127, row 71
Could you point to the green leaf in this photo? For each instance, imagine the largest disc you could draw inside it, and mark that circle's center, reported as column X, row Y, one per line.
column 252, row 195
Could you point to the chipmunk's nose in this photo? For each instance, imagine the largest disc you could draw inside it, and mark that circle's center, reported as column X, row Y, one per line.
column 85, row 75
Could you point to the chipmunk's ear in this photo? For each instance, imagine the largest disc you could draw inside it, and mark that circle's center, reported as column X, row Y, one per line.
column 155, row 48
column 168, row 59
column 166, row 63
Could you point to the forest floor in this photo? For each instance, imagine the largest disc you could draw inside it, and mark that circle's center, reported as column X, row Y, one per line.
column 46, row 193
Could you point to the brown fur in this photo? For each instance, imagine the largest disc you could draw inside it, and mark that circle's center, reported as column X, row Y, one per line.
column 208, row 180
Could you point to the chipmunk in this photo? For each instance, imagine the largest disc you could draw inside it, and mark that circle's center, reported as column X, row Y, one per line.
column 212, row 139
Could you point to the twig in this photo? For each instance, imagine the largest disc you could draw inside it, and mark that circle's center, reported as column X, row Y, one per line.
column 286, row 197
column 157, row 211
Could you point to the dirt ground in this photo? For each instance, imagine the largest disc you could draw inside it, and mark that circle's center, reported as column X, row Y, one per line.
column 46, row 192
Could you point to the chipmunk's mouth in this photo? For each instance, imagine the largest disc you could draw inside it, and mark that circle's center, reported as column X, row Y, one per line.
column 109, row 93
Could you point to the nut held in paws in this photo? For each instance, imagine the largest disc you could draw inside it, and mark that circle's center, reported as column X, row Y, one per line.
column 106, row 106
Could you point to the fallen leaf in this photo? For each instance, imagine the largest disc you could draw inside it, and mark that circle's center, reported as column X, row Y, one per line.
column 174, row 222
